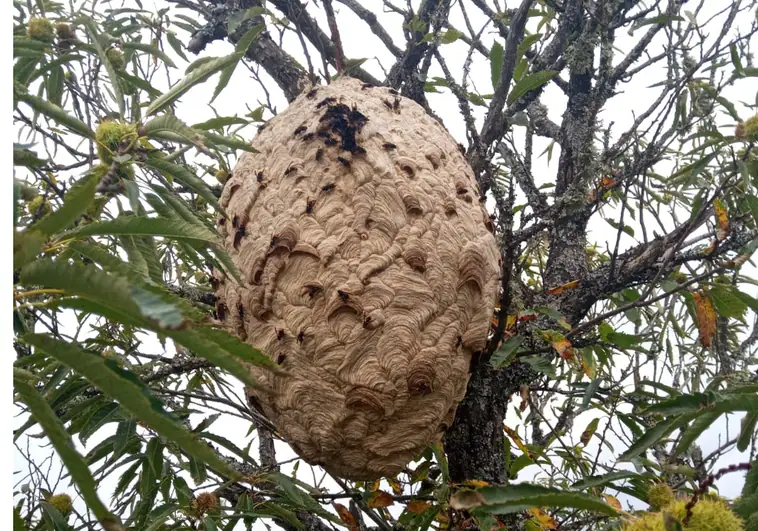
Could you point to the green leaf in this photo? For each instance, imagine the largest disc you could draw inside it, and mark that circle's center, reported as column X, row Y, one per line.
column 199, row 75
column 248, row 38
column 153, row 306
column 97, row 420
column 619, row 339
column 605, row 479
column 185, row 177
column 230, row 142
column 450, row 36
column 530, row 82
column 89, row 282
column 235, row 347
column 752, row 203
column 726, row 300
column 65, row 449
column 538, row 363
column 506, row 352
column 154, row 453
column 651, row 437
column 694, row 430
column 496, row 62
column 152, row 50
column 213, row 352
column 157, row 127
column 176, row 44
column 220, row 122
column 516, row 498
column 238, row 18
column 91, row 27
column 144, row 226
column 57, row 114
column 76, row 203
column 139, row 83
column 747, row 430
column 133, row 396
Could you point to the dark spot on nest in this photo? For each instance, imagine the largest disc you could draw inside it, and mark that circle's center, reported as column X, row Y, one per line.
column 389, row 145
column 323, row 134
column 330, row 142
column 261, row 127
column 300, row 336
column 311, row 93
column 221, row 310
column 290, row 170
column 359, row 150
column 281, row 359
column 299, row 130
column 259, row 176
column 462, row 149
column 280, row 334
column 325, row 101
column 319, row 154
column 235, row 222
column 393, row 91
column 313, row 291
column 396, row 105
column 366, row 321
column 344, row 297
column 461, row 190
column 238, row 236
column 309, row 206
column 459, row 341
column 327, row 188
column 241, row 312
column 221, row 221
column 308, row 137
column 274, row 240
column 367, row 86
column 344, row 162
column 387, row 103
column 214, row 282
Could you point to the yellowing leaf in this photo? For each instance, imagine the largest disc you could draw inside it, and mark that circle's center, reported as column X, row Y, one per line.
column 722, row 220
column 395, row 485
column 375, row 485
column 560, row 289
column 524, row 391
column 516, row 439
column 613, row 502
column 564, row 348
column 588, row 365
column 380, row 499
column 347, row 518
column 589, row 431
column 607, row 182
column 706, row 317
column 476, row 483
column 418, row 506
column 542, row 519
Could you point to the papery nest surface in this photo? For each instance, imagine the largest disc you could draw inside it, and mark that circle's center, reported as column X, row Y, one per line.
column 370, row 275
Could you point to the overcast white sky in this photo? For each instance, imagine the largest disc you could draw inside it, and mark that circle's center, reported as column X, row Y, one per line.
column 359, row 42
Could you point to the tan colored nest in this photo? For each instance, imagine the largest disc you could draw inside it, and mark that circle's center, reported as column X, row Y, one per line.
column 370, row 275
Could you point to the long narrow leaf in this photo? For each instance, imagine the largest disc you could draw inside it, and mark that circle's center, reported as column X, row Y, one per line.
column 76, row 202
column 133, row 396
column 199, row 75
column 143, row 226
column 64, row 446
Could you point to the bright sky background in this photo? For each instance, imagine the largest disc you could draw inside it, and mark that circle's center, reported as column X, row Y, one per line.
column 360, row 42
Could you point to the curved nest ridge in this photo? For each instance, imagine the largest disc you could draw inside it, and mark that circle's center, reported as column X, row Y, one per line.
column 370, row 275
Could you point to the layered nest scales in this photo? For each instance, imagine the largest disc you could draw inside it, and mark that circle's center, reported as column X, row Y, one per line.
column 370, row 275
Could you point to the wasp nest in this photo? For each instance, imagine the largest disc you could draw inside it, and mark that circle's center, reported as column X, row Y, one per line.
column 370, row 274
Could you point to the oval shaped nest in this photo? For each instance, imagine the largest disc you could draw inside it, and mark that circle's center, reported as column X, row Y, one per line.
column 370, row 275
